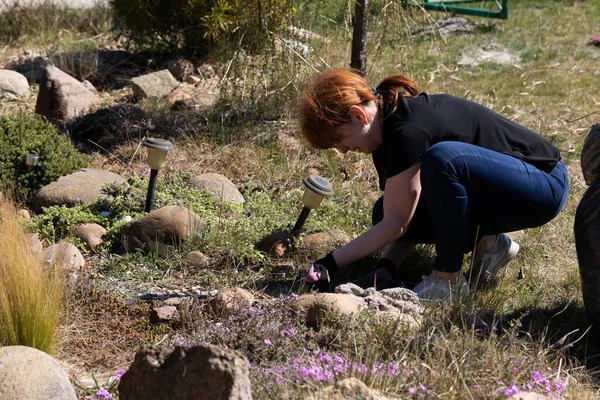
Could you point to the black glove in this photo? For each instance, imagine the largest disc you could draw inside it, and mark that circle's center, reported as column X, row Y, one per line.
column 319, row 274
column 387, row 264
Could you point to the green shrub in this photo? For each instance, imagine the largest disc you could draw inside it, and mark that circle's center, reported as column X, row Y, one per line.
column 197, row 25
column 22, row 134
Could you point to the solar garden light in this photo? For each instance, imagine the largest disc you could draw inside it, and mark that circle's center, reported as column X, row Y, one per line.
column 157, row 155
column 31, row 160
column 316, row 189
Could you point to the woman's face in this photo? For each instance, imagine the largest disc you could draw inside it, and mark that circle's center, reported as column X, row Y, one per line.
column 360, row 133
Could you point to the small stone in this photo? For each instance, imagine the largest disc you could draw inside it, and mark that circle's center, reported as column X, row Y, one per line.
column 196, row 259
column 192, row 80
column 232, row 300
column 163, row 314
column 24, row 214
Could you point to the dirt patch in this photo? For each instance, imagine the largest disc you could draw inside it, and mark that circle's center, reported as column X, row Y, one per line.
column 490, row 52
column 103, row 332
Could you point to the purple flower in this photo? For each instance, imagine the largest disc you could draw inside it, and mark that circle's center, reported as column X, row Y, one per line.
column 325, row 359
column 288, row 332
column 512, row 390
column 267, row 342
column 103, row 394
column 412, row 390
column 118, row 375
column 422, row 387
column 558, row 387
column 516, row 370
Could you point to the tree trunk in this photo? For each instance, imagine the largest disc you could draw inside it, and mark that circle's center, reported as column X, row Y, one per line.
column 359, row 37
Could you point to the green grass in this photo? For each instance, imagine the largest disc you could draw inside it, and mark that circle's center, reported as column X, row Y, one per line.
column 51, row 24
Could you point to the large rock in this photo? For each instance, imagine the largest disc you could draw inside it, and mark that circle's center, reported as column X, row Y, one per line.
column 398, row 305
column 347, row 389
column 13, row 83
column 80, row 187
column 66, row 254
column 324, row 241
column 157, row 84
column 315, row 306
column 63, row 97
column 30, row 374
column 221, row 187
column 199, row 373
column 162, row 229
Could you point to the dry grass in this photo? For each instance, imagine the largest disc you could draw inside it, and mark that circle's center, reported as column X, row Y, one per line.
column 31, row 295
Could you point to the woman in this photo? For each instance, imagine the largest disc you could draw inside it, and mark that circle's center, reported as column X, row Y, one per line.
column 453, row 172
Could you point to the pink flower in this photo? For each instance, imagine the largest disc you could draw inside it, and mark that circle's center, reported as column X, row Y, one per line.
column 412, row 390
column 118, row 375
column 267, row 342
column 103, row 394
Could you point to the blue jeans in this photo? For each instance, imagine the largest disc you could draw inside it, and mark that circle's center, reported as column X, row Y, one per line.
column 464, row 187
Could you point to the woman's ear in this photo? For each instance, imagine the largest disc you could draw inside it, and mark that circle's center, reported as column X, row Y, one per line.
column 357, row 111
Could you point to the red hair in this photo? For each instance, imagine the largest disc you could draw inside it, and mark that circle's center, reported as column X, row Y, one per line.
column 326, row 102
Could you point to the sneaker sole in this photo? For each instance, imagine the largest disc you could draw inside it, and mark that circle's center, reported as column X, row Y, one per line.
column 490, row 276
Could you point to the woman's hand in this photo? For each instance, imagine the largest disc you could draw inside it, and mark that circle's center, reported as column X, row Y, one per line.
column 318, row 274
column 317, row 277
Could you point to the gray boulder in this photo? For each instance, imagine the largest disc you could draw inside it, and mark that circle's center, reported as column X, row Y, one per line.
column 200, row 373
column 221, row 187
column 157, row 84
column 63, row 97
column 400, row 305
column 30, row 374
column 13, row 83
column 80, row 187
column 163, row 229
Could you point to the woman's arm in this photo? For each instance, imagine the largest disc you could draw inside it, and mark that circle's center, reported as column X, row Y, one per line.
column 400, row 200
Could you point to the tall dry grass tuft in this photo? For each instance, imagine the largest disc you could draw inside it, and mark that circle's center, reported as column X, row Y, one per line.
column 30, row 293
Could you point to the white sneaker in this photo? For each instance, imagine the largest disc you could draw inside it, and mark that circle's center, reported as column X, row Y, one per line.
column 485, row 265
column 434, row 289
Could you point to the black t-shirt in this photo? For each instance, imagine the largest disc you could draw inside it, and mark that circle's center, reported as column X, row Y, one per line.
column 420, row 122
